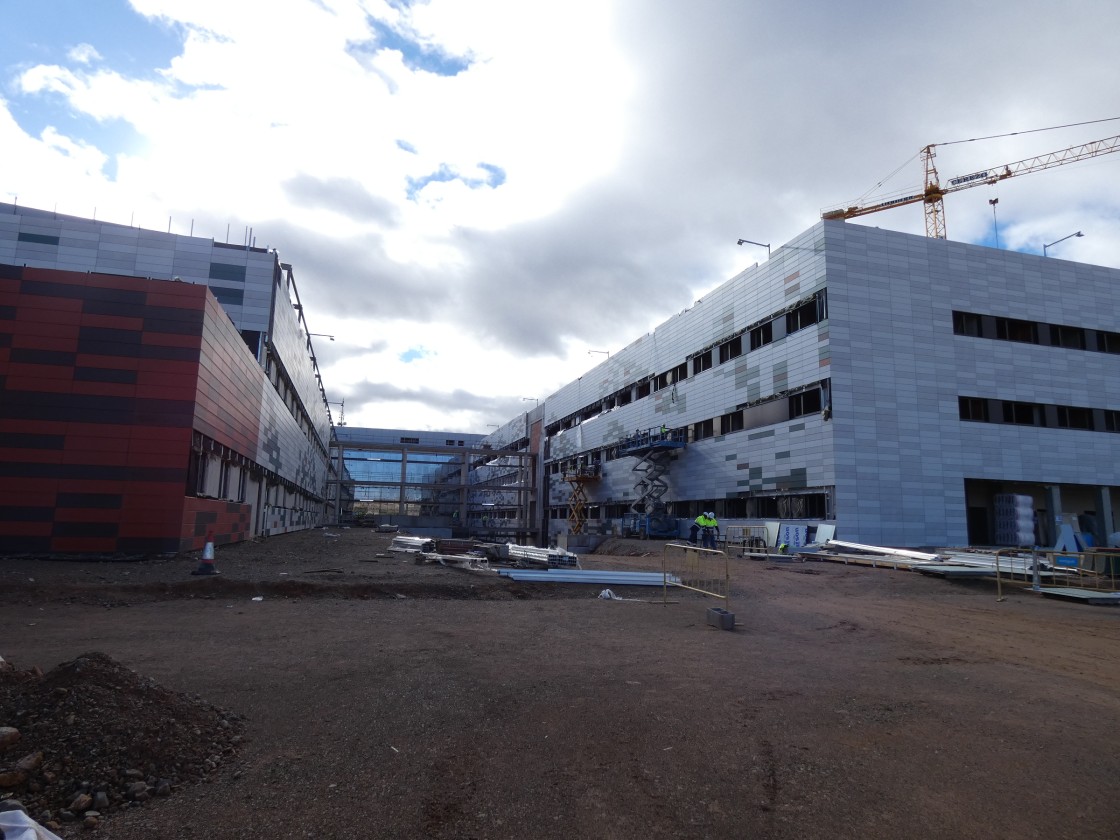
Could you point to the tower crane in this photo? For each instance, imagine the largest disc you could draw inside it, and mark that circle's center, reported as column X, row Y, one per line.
column 933, row 194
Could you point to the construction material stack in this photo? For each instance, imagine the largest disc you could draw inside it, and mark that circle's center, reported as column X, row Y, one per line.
column 1014, row 519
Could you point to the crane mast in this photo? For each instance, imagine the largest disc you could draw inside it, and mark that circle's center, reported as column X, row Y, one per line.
column 932, row 194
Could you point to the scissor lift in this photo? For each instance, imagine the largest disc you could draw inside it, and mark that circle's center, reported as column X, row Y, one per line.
column 654, row 450
column 578, row 479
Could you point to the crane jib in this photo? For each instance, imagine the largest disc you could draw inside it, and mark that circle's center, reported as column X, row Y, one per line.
column 964, row 179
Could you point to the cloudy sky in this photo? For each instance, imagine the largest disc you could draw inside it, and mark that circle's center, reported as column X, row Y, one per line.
column 476, row 194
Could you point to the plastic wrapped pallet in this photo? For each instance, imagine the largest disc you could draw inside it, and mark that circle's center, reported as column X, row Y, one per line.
column 1014, row 519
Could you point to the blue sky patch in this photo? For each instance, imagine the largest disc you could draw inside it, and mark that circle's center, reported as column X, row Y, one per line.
column 406, row 146
column 416, row 55
column 127, row 42
column 495, row 177
column 113, row 137
column 412, row 354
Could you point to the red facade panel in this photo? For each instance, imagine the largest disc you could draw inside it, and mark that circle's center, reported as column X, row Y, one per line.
column 94, row 456
column 104, row 381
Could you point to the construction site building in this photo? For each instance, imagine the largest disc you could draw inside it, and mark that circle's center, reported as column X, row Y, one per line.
column 892, row 385
column 157, row 391
column 440, row 484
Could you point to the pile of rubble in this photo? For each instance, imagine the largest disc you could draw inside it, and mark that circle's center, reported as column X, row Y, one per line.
column 92, row 736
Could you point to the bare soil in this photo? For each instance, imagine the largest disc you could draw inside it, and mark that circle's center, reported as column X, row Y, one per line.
column 396, row 700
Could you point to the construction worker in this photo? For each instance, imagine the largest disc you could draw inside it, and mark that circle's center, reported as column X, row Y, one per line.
column 695, row 528
column 711, row 530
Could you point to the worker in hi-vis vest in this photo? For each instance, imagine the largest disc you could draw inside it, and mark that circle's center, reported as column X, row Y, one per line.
column 708, row 527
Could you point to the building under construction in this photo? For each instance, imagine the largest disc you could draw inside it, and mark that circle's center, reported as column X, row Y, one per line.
column 154, row 388
column 437, row 483
column 157, row 391
column 896, row 386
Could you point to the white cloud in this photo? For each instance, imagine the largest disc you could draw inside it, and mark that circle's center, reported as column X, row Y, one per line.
column 637, row 140
column 83, row 54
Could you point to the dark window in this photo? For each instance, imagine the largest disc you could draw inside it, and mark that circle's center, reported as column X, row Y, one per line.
column 1075, row 418
column 703, row 429
column 800, row 506
column 731, row 349
column 803, row 316
column 228, row 297
column 966, row 323
column 973, row 408
column 410, row 440
column 1012, row 329
column 679, row 373
column 225, row 271
column 38, row 238
column 1023, row 414
column 702, row 362
column 449, row 443
column 732, row 422
column 643, row 389
column 1111, row 420
column 1108, row 342
column 807, row 402
column 252, row 340
column 223, row 480
column 1071, row 337
column 196, row 474
column 762, row 335
column 625, row 397
column 661, row 381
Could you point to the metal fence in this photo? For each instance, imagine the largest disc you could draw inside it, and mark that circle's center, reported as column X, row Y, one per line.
column 745, row 540
column 702, row 570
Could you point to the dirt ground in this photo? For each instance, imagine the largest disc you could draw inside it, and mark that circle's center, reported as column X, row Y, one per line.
column 390, row 700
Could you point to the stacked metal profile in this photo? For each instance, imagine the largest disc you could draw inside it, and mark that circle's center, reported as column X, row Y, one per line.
column 596, row 576
column 538, row 556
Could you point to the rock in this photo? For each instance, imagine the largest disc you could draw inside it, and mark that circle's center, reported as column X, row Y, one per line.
column 82, row 802
column 12, row 805
column 8, row 736
column 138, row 791
column 101, row 800
column 12, row 778
column 163, row 788
column 30, row 763
column 66, row 816
column 90, row 821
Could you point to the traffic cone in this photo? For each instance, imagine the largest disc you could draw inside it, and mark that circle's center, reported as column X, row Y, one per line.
column 206, row 566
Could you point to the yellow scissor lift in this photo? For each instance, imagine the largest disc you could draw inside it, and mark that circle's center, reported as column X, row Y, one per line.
column 579, row 478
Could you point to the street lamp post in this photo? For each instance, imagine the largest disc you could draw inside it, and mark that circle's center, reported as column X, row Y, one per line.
column 765, row 245
column 321, row 335
column 534, row 399
column 606, row 353
column 1056, row 241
